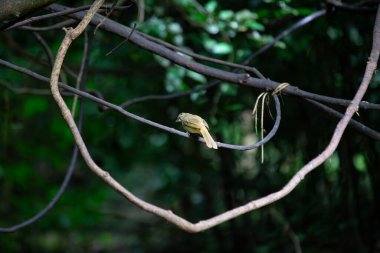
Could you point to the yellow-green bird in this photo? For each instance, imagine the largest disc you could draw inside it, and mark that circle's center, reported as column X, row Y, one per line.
column 194, row 124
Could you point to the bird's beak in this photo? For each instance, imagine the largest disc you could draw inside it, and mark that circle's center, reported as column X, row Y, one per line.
column 178, row 120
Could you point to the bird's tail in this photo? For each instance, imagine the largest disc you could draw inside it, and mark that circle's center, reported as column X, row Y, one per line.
column 208, row 139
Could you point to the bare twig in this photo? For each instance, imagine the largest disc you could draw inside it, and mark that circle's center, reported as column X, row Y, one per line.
column 167, row 96
column 353, row 123
column 58, row 14
column 107, row 15
column 50, row 27
column 124, row 41
column 140, row 10
column 46, row 48
column 297, row 25
column 287, row 229
column 29, row 91
column 83, row 71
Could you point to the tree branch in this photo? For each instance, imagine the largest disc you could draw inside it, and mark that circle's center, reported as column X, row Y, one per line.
column 58, row 14
column 240, row 79
column 304, row 21
column 255, row 204
column 11, row 9
column 141, row 119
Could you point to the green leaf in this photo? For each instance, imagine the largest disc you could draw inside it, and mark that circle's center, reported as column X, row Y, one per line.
column 359, row 162
column 332, row 166
column 222, row 48
column 217, row 47
column 245, row 15
column 211, row 6
column 226, row 15
column 196, row 76
column 228, row 89
column 254, row 25
column 174, row 78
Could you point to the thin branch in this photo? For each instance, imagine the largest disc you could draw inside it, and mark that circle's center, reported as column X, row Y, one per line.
column 358, row 7
column 141, row 119
column 304, row 21
column 167, row 96
column 20, row 49
column 107, row 15
column 82, row 75
column 59, row 25
column 62, row 188
column 58, row 14
column 240, row 79
column 123, row 42
column 287, row 229
column 46, row 48
column 353, row 123
column 140, row 10
column 29, row 91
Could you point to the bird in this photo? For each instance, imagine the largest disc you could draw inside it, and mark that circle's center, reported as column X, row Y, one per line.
column 194, row 124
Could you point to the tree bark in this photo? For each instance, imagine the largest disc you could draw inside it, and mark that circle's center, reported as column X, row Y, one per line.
column 11, row 9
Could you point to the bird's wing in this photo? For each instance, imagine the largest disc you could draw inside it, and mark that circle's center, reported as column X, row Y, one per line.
column 193, row 121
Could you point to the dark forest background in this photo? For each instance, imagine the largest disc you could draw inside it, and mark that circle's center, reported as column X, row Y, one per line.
column 335, row 209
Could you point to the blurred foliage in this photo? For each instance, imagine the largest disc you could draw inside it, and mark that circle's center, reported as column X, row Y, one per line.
column 335, row 209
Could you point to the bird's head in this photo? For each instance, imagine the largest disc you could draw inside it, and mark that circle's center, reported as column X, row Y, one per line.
column 180, row 117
